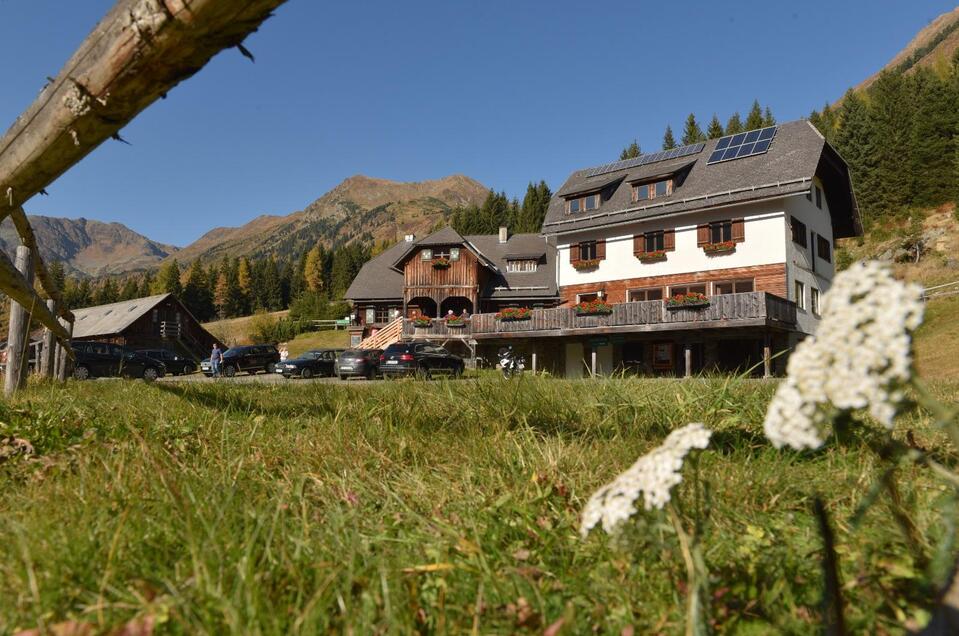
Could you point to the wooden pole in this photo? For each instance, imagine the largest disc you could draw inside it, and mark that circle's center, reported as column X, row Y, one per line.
column 592, row 365
column 18, row 339
column 63, row 358
column 534, row 359
column 767, row 356
column 47, row 354
column 18, row 288
column 688, row 358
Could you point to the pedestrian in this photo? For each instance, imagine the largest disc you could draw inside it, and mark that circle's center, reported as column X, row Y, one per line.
column 284, row 353
column 216, row 360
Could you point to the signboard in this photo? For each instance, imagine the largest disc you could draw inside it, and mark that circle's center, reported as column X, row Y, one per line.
column 598, row 341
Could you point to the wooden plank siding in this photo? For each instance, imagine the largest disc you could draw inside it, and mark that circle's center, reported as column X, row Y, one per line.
column 750, row 309
column 464, row 277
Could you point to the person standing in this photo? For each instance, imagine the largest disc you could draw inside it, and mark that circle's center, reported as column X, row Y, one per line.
column 216, row 360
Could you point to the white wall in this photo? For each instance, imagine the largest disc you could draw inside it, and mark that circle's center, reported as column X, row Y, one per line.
column 764, row 245
column 800, row 264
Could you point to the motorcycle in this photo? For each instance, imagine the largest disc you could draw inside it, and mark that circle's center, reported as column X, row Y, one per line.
column 510, row 363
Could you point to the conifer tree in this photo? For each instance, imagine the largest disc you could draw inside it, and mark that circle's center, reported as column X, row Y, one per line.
column 692, row 133
column 313, row 270
column 768, row 119
column 533, row 211
column 754, row 119
column 222, row 295
column 715, row 129
column 197, row 295
column 669, row 142
column 146, row 285
column 108, row 293
column 130, row 290
column 889, row 117
column 58, row 275
column 854, row 143
column 932, row 141
column 168, row 280
column 734, row 125
column 631, row 151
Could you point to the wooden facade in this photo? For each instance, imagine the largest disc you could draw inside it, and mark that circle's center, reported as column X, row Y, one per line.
column 431, row 291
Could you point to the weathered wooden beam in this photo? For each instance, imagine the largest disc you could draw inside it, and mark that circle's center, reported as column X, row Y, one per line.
column 20, row 290
column 135, row 55
column 47, row 357
column 18, row 338
column 27, row 237
column 63, row 353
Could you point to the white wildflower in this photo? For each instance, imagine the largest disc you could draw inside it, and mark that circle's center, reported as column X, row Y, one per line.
column 654, row 475
column 859, row 358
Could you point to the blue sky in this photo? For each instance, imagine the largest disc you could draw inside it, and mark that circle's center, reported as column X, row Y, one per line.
column 505, row 92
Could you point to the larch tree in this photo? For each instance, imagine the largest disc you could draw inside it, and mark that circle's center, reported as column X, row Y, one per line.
column 313, row 270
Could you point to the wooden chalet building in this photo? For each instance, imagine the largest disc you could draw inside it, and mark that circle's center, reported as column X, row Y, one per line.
column 746, row 224
column 154, row 322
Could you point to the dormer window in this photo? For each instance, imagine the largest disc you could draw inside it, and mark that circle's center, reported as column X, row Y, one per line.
column 646, row 191
column 521, row 265
column 588, row 202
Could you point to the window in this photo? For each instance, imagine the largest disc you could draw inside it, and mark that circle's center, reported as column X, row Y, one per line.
column 733, row 287
column 588, row 202
column 586, row 298
column 799, row 232
column 823, row 247
column 720, row 231
column 522, row 265
column 819, row 197
column 454, row 253
column 644, row 191
column 587, row 251
column 814, row 300
column 426, row 255
column 651, row 293
column 654, row 241
column 370, row 315
column 678, row 290
column 800, row 295
column 442, row 252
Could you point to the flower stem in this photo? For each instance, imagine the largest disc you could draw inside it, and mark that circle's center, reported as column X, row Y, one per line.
column 696, row 577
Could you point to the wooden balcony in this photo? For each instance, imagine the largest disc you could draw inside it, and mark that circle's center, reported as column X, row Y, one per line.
column 751, row 309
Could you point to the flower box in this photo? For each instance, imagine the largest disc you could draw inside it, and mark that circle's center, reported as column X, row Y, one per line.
column 510, row 314
column 694, row 300
column 652, row 257
column 456, row 322
column 441, row 263
column 422, row 323
column 583, row 266
column 593, row 308
column 719, row 248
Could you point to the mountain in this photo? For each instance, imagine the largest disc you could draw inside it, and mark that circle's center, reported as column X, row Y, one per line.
column 359, row 207
column 932, row 47
column 90, row 248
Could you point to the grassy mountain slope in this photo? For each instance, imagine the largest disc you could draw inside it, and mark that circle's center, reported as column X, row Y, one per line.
column 359, row 207
column 934, row 45
column 86, row 247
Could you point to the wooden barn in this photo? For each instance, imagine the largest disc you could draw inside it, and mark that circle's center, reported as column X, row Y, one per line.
column 154, row 322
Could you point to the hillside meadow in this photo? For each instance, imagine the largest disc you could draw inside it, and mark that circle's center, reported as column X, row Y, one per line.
column 441, row 507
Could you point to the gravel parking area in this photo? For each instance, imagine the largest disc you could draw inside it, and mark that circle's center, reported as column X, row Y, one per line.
column 261, row 378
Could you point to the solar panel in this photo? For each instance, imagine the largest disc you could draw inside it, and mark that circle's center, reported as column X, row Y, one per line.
column 642, row 160
column 747, row 144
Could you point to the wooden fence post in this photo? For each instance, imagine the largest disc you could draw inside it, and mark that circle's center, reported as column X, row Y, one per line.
column 62, row 357
column 18, row 339
column 49, row 346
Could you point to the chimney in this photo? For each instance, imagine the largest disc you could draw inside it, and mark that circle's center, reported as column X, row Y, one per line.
column 503, row 234
column 409, row 238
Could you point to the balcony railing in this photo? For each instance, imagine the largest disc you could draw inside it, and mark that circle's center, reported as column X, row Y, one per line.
column 724, row 310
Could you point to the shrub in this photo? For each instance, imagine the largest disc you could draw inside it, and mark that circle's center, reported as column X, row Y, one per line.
column 509, row 314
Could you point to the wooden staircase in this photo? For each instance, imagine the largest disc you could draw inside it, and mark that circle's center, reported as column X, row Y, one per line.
column 386, row 336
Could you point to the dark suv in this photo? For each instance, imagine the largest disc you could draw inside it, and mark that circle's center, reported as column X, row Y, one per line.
column 419, row 358
column 175, row 363
column 249, row 358
column 104, row 360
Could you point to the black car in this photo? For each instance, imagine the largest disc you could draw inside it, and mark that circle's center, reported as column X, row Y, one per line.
column 419, row 358
column 249, row 358
column 319, row 362
column 105, row 360
column 354, row 363
column 175, row 363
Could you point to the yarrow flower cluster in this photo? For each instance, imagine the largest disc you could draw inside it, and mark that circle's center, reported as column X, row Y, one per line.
column 859, row 358
column 653, row 476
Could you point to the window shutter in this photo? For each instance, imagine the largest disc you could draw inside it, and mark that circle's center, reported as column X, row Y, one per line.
column 601, row 249
column 574, row 253
column 639, row 244
column 739, row 230
column 702, row 235
column 669, row 240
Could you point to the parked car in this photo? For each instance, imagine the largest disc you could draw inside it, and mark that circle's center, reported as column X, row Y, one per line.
column 249, row 358
column 104, row 360
column 319, row 362
column 175, row 363
column 419, row 358
column 354, row 363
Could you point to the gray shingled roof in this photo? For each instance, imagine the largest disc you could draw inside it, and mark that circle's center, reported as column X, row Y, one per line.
column 105, row 320
column 797, row 153
column 379, row 280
